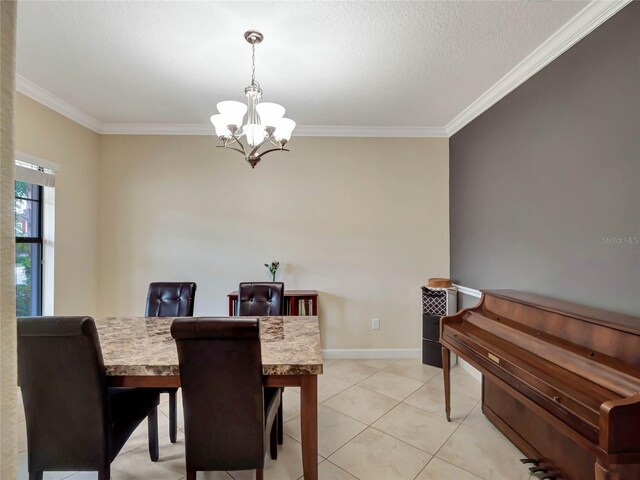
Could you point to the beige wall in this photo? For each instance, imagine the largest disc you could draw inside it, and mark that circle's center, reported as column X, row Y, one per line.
column 363, row 220
column 48, row 135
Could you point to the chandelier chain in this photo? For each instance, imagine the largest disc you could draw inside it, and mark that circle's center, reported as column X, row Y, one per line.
column 253, row 64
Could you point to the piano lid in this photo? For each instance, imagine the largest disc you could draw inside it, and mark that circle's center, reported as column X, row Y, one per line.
column 619, row 321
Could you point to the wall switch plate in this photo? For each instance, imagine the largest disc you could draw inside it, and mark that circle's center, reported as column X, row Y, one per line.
column 375, row 324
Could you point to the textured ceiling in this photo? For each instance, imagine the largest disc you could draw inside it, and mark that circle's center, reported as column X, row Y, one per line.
column 329, row 63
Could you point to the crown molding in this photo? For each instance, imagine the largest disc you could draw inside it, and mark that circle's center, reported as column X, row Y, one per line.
column 584, row 22
column 157, row 129
column 301, row 130
column 55, row 103
column 355, row 131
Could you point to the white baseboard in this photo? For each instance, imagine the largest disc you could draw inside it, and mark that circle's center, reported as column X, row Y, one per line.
column 336, row 354
column 469, row 369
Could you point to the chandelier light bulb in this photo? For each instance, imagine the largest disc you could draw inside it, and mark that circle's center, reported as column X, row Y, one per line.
column 255, row 134
column 232, row 111
column 270, row 113
column 220, row 124
column 284, row 129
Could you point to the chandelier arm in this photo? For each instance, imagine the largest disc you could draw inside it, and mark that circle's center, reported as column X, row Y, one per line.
column 273, row 150
column 231, row 148
column 253, row 152
column 237, row 140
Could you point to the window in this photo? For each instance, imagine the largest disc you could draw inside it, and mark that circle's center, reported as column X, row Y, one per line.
column 29, row 247
column 34, row 234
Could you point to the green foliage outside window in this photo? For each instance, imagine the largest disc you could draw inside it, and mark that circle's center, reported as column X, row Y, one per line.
column 25, row 252
column 23, row 289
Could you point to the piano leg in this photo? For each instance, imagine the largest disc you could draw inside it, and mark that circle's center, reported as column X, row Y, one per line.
column 446, row 361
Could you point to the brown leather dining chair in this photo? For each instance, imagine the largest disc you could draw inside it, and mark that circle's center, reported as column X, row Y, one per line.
column 74, row 422
column 227, row 412
column 263, row 299
column 171, row 299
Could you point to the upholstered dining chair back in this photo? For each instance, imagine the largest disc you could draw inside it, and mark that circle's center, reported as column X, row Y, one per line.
column 222, row 394
column 62, row 378
column 170, row 299
column 261, row 299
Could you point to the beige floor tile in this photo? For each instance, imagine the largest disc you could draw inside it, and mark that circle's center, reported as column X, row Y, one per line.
column 21, row 434
column 329, row 386
column 164, row 397
column 140, row 436
column 491, row 457
column 438, row 469
column 361, row 404
column 416, row 427
column 290, row 404
column 378, row 362
column 476, row 447
column 138, row 442
column 351, row 371
column 431, row 399
column 373, row 455
column 135, row 464
column 329, row 471
column 20, row 412
column 213, row 476
column 461, row 382
column 164, row 418
column 391, row 385
column 328, row 362
column 288, row 466
column 334, row 429
column 414, row 369
column 478, row 421
column 83, row 476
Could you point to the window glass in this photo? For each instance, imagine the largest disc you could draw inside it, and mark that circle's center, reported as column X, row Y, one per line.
column 28, row 232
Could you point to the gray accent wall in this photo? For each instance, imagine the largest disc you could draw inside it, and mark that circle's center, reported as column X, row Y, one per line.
column 467, row 301
column 545, row 185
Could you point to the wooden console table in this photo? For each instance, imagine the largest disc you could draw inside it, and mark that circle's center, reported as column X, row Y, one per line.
column 296, row 303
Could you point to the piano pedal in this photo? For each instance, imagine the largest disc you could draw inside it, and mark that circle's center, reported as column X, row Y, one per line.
column 538, row 469
column 532, row 461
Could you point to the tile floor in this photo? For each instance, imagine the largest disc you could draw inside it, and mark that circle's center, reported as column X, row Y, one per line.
column 378, row 419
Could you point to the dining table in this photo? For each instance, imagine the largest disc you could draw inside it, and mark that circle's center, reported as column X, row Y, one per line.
column 140, row 352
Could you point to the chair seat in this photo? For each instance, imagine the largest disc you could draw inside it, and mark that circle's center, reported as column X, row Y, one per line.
column 129, row 407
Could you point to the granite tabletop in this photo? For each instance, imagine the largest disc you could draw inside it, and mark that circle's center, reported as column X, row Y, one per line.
column 144, row 346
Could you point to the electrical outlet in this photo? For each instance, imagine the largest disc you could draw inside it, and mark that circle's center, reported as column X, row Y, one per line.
column 375, row 324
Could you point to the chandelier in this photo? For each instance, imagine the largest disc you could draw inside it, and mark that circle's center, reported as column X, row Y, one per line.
column 265, row 124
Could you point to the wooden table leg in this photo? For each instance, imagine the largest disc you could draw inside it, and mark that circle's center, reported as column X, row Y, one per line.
column 309, row 425
column 446, row 367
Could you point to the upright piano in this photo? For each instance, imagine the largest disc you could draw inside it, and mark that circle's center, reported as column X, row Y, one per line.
column 560, row 380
